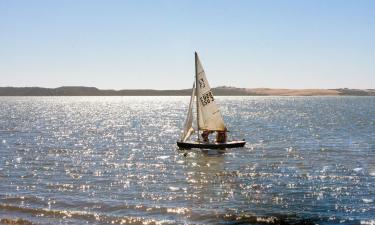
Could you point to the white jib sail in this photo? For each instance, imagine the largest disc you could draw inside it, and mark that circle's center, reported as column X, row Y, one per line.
column 188, row 127
column 209, row 114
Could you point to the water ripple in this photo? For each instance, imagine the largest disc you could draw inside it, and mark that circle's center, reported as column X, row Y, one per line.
column 103, row 160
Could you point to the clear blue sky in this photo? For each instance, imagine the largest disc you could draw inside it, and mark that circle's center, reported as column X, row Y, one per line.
column 151, row 44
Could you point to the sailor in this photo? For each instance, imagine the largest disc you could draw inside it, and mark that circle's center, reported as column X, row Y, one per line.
column 221, row 136
column 205, row 135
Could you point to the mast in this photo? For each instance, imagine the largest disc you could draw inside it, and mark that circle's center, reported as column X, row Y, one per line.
column 196, row 92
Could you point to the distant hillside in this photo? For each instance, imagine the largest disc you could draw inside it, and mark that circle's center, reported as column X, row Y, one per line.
column 219, row 91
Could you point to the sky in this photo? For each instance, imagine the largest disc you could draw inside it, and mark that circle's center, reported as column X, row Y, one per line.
column 150, row 44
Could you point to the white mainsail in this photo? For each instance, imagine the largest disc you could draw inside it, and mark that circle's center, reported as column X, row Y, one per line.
column 188, row 127
column 209, row 114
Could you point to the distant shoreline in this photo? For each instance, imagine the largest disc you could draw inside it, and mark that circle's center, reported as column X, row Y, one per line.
column 218, row 91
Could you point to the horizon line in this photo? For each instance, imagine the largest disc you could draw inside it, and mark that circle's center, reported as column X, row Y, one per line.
column 220, row 86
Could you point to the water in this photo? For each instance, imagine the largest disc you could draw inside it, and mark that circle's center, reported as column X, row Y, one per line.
column 102, row 160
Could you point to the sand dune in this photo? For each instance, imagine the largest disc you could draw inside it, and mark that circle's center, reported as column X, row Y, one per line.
column 295, row 92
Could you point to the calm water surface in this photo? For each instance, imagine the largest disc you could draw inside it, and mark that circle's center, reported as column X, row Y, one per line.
column 102, row 160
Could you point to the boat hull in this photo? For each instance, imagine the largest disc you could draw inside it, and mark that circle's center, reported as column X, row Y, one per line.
column 230, row 144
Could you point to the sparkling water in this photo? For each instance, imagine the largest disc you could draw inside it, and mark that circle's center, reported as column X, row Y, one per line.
column 114, row 160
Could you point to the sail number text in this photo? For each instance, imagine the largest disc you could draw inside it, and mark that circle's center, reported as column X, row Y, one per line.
column 201, row 83
column 207, row 98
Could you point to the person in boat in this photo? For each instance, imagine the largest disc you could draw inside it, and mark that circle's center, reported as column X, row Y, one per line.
column 205, row 135
column 221, row 136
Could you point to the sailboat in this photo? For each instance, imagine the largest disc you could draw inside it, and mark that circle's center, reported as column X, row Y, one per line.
column 208, row 117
